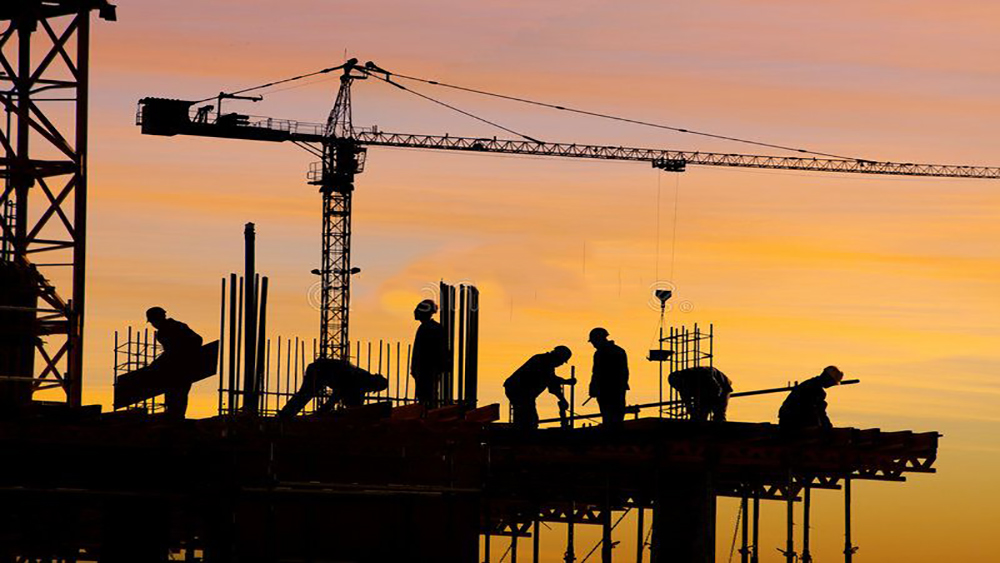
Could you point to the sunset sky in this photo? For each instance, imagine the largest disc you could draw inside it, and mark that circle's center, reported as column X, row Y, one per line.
column 895, row 280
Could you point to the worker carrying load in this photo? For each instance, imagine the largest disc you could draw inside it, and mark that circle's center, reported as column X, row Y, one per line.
column 805, row 406
column 609, row 381
column 181, row 357
column 430, row 355
column 348, row 386
column 703, row 390
column 536, row 375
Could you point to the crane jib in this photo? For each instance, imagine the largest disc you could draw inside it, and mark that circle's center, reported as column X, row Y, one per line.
column 159, row 116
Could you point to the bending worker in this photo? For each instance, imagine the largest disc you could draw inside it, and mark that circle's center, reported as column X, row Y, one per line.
column 347, row 384
column 805, row 406
column 703, row 390
column 536, row 375
column 181, row 356
column 609, row 381
column 430, row 355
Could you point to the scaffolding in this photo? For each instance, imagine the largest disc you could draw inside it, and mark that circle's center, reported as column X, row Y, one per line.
column 135, row 349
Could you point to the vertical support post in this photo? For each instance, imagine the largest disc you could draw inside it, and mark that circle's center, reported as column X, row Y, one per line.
column 572, row 398
column 849, row 548
column 233, row 305
column 606, row 543
column 253, row 398
column 640, row 527
column 536, row 543
column 570, row 555
column 745, row 532
column 687, row 530
column 486, row 547
column 513, row 545
column 806, row 501
column 755, row 550
column 790, row 556
column 250, row 318
column 74, row 390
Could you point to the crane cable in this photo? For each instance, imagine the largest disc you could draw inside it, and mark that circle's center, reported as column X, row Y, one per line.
column 387, row 80
column 276, row 82
column 622, row 119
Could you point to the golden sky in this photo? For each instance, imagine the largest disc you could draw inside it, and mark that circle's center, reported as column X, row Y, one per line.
column 895, row 280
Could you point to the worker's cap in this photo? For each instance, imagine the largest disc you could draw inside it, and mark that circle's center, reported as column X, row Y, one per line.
column 155, row 313
column 835, row 373
column 597, row 335
column 563, row 353
column 427, row 306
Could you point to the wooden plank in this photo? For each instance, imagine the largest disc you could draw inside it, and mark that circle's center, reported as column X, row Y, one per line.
column 152, row 380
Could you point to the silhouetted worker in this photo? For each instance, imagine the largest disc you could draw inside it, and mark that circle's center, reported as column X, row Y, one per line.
column 536, row 375
column 348, row 386
column 703, row 390
column 181, row 355
column 430, row 354
column 805, row 406
column 609, row 381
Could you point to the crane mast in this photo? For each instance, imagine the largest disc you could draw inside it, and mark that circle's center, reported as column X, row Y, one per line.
column 342, row 149
column 343, row 158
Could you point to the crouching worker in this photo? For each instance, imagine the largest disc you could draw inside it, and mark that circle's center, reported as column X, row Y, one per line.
column 348, row 386
column 805, row 406
column 181, row 357
column 536, row 375
column 703, row 390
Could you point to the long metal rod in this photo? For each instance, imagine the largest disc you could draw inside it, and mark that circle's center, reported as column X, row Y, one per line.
column 634, row 408
column 744, row 529
column 640, row 540
column 790, row 555
column 755, row 550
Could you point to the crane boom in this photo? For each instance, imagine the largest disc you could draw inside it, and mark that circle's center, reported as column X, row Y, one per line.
column 175, row 117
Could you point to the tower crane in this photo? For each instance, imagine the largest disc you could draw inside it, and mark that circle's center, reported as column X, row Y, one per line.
column 342, row 147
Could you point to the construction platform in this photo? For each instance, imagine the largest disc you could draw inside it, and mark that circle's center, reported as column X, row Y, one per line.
column 380, row 484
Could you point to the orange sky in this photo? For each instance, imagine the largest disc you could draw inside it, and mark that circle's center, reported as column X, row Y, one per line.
column 895, row 280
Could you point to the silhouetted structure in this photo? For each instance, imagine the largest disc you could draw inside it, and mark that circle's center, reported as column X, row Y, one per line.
column 703, row 390
column 348, row 386
column 805, row 406
column 609, row 381
column 536, row 375
column 430, row 355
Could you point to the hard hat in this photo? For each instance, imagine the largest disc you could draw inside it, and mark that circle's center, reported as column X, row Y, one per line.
column 597, row 334
column 563, row 352
column 155, row 313
column 835, row 373
column 427, row 306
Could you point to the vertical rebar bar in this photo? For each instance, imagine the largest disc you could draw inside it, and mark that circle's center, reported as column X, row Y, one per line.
column 806, row 501
column 235, row 392
column 222, row 344
column 233, row 305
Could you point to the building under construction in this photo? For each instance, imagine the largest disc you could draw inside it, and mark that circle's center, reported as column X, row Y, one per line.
column 387, row 481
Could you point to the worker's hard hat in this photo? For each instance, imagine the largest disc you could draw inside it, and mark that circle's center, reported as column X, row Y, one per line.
column 427, row 306
column 155, row 313
column 835, row 373
column 597, row 334
column 563, row 352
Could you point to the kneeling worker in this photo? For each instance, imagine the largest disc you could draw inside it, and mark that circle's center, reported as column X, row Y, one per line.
column 536, row 375
column 181, row 356
column 805, row 406
column 703, row 390
column 348, row 385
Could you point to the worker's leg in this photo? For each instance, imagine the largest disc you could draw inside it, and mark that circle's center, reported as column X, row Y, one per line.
column 719, row 414
column 175, row 400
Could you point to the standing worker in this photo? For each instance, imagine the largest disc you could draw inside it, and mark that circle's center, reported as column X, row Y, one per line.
column 609, row 381
column 430, row 355
column 703, row 390
column 805, row 406
column 347, row 384
column 536, row 375
column 181, row 355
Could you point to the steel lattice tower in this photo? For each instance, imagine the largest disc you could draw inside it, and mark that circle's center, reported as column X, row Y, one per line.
column 44, row 53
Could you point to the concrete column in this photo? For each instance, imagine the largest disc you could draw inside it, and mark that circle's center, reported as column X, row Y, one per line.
column 684, row 519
